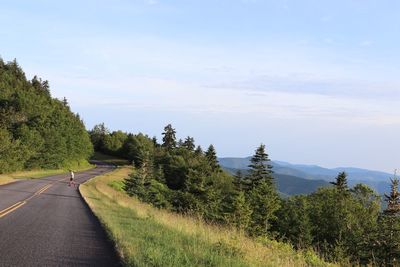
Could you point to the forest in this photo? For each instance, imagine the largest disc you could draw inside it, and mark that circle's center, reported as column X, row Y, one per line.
column 36, row 130
column 342, row 224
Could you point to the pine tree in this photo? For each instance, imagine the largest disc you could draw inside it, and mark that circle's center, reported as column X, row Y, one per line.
column 265, row 202
column 189, row 143
column 238, row 181
column 211, row 156
column 241, row 212
column 393, row 200
column 260, row 170
column 139, row 182
column 169, row 139
column 261, row 192
column 199, row 151
column 341, row 182
column 389, row 234
column 196, row 186
column 65, row 102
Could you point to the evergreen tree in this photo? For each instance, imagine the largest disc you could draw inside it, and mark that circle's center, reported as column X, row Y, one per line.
column 199, row 151
column 196, row 186
column 341, row 182
column 65, row 102
column 169, row 139
column 388, row 240
column 265, row 202
column 260, row 170
column 189, row 143
column 261, row 191
column 138, row 183
column 393, row 200
column 240, row 217
column 238, row 181
column 211, row 156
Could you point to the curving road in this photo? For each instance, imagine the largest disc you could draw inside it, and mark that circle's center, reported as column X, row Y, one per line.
column 44, row 222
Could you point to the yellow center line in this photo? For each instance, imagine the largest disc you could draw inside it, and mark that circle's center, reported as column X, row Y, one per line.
column 21, row 203
column 11, row 208
column 43, row 189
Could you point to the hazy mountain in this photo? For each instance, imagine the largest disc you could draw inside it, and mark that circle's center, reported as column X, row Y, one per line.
column 289, row 185
column 376, row 179
column 235, row 163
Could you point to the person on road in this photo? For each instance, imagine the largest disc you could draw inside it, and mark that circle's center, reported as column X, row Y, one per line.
column 71, row 178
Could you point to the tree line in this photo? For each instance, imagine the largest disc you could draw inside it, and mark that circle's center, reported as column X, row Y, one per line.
column 36, row 130
column 342, row 224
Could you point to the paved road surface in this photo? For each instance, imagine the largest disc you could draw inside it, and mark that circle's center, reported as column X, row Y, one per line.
column 44, row 222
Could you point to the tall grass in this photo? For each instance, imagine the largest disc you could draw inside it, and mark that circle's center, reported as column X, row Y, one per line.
column 146, row 236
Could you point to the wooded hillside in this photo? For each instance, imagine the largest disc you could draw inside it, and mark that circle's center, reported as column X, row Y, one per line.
column 36, row 130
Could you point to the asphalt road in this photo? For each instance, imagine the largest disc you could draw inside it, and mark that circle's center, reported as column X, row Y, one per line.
column 44, row 222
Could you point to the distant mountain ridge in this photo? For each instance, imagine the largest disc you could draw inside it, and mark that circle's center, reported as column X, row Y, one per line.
column 289, row 185
column 376, row 179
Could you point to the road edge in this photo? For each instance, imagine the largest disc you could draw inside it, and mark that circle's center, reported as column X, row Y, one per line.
column 104, row 228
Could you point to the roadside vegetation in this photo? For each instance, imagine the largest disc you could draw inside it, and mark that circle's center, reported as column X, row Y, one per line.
column 36, row 130
column 342, row 224
column 148, row 236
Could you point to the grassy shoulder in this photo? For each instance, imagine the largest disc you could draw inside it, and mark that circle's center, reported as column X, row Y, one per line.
column 34, row 174
column 146, row 236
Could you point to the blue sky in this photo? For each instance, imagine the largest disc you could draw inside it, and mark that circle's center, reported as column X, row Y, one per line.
column 316, row 81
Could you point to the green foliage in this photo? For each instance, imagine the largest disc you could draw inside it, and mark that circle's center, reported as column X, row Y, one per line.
column 169, row 139
column 137, row 149
column 264, row 201
column 343, row 224
column 294, row 221
column 260, row 171
column 341, row 182
column 211, row 156
column 98, row 135
column 36, row 131
column 189, row 143
column 387, row 239
column 240, row 215
column 340, row 224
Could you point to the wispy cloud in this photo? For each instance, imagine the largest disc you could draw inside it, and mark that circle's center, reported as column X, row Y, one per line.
column 302, row 83
column 135, row 94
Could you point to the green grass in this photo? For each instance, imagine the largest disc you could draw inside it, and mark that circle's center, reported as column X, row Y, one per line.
column 110, row 159
column 146, row 236
column 34, row 174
